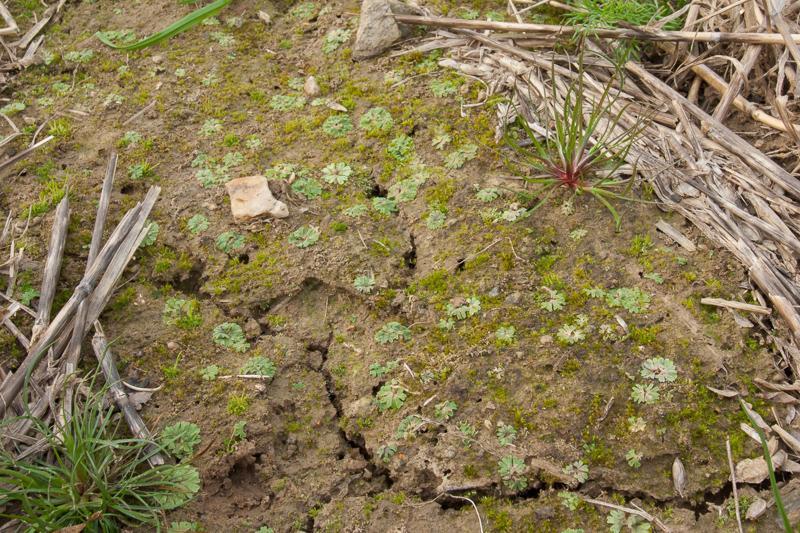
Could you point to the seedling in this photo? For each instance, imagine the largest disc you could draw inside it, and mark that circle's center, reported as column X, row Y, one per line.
column 441, row 140
column 141, row 171
column 304, row 236
column 506, row 434
column 487, row 195
column 647, row 393
column 391, row 332
column 337, row 125
column 337, row 173
column 259, row 366
column 445, row 410
column 308, row 188
column 285, row 102
column 12, row 108
column 571, row 334
column 238, row 434
column 384, row 206
column 334, row 39
column 512, row 471
column 364, row 283
column 468, row 431
column 401, row 148
column 197, row 224
column 551, row 300
column 131, row 138
column 618, row 520
column 210, row 127
column 570, row 500
column 633, row 300
column 355, row 211
column 180, row 438
column 409, row 426
column 386, row 452
column 436, row 219
column 151, row 235
column 469, row 308
column 183, row 527
column 230, row 335
column 634, row 458
column 579, row 470
column 230, row 242
column 659, row 369
column 378, row 370
column 182, row 313
column 377, row 121
column 391, row 395
column 446, row 87
column 505, row 335
column 210, row 372
column 636, row 424
column 460, row 156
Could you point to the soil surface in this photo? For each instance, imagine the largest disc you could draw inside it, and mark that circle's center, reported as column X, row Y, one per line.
column 492, row 334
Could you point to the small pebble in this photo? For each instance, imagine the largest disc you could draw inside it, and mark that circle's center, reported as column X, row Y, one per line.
column 311, row 87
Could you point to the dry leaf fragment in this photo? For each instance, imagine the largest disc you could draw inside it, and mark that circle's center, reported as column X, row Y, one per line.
column 138, row 399
column 756, row 509
column 725, row 393
column 679, row 477
column 754, row 471
column 336, row 106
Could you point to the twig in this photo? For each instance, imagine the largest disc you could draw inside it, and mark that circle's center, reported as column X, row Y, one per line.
column 138, row 428
column 142, row 389
column 740, row 306
column 733, row 481
column 52, row 267
column 673, row 233
column 25, row 152
column 139, row 113
column 567, row 32
column 476, row 254
column 11, row 24
column 638, row 512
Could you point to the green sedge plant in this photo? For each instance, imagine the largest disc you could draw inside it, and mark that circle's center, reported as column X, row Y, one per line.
column 584, row 147
column 95, row 477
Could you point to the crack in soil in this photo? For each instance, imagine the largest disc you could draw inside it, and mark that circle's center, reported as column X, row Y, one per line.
column 355, row 442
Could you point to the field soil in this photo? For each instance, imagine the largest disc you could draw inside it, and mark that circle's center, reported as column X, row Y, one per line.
column 547, row 368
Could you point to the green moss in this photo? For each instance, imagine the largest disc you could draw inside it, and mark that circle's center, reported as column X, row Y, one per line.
column 436, row 282
column 123, row 299
column 440, row 194
column 644, row 335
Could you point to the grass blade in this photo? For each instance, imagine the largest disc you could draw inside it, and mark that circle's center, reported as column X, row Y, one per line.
column 776, row 493
column 193, row 18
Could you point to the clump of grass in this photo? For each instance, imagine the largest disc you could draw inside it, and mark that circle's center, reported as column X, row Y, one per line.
column 190, row 20
column 580, row 153
column 97, row 477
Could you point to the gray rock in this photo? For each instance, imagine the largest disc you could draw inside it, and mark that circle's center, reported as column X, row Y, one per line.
column 377, row 29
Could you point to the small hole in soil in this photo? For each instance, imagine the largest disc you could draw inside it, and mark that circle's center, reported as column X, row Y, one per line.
column 410, row 257
column 460, row 264
column 127, row 189
column 340, row 456
column 244, row 259
column 377, row 190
